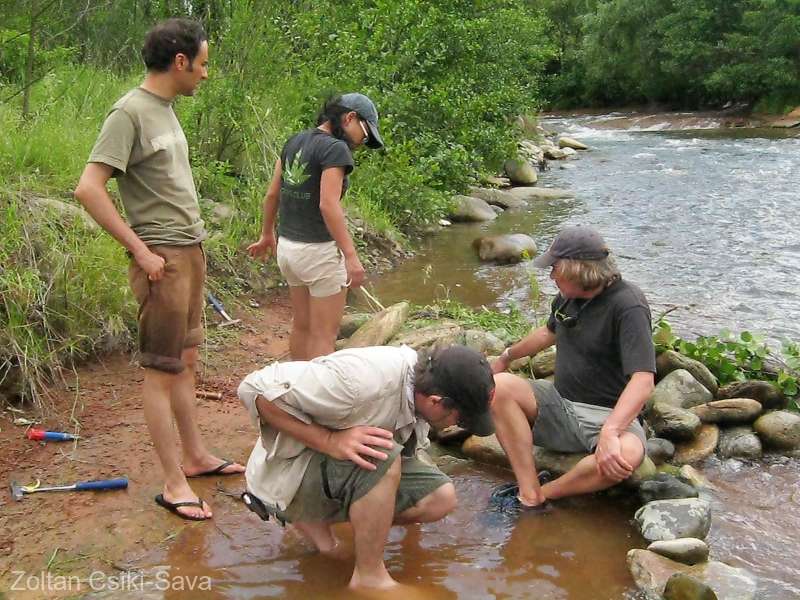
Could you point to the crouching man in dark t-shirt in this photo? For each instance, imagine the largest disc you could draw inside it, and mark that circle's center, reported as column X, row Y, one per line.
column 605, row 365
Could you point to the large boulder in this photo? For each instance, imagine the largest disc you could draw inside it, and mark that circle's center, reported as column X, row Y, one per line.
column 681, row 586
column 467, row 209
column 664, row 486
column 568, row 142
column 351, row 322
column 441, row 334
column 499, row 198
column 651, row 572
column 520, row 172
column 483, row 341
column 732, row 411
column 669, row 361
column 673, row 422
column 688, row 551
column 673, row 519
column 380, row 328
column 544, row 363
column 65, row 211
column 508, row 248
column 553, row 153
column 540, row 193
column 680, row 388
column 701, row 447
column 739, row 442
column 762, row 391
column 779, row 430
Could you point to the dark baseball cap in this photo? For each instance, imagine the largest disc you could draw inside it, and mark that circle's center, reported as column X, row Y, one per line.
column 577, row 242
column 464, row 375
column 367, row 111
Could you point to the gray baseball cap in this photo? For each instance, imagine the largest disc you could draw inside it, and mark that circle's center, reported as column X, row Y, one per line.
column 367, row 111
column 577, row 242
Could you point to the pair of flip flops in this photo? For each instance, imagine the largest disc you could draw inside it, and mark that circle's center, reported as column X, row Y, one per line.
column 505, row 498
column 174, row 506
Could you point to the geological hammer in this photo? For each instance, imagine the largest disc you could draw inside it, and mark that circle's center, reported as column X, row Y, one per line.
column 18, row 491
column 214, row 301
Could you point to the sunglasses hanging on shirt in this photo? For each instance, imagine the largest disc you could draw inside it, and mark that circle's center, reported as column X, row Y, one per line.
column 567, row 320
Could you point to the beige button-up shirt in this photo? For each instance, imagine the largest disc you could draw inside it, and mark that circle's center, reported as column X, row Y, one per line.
column 360, row 386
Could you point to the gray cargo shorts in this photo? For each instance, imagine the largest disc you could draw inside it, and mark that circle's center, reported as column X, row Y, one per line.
column 566, row 426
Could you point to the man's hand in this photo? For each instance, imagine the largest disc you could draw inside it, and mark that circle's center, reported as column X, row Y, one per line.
column 501, row 363
column 608, row 454
column 355, row 443
column 151, row 263
column 263, row 248
column 532, row 497
column 355, row 271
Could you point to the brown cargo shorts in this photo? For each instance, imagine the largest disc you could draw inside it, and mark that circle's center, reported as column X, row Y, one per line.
column 171, row 309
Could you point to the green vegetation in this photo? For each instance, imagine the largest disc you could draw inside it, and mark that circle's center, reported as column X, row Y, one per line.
column 737, row 358
column 682, row 53
column 448, row 80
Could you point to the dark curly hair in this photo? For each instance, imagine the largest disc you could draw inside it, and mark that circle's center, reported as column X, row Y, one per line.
column 170, row 38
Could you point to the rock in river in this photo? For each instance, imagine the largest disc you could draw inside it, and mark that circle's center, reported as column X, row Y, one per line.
column 673, row 519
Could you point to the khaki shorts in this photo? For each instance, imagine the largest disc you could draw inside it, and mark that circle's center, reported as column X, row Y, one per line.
column 565, row 426
column 318, row 266
column 330, row 487
column 170, row 309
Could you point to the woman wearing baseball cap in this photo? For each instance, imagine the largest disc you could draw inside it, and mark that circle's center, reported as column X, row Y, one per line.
column 314, row 250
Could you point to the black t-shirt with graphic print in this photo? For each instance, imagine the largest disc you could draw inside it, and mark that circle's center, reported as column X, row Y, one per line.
column 304, row 157
column 610, row 341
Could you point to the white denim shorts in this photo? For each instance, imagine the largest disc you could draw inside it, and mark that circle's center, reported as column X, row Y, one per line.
column 319, row 266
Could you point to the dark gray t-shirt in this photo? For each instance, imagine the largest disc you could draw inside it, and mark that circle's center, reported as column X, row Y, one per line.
column 611, row 340
column 305, row 156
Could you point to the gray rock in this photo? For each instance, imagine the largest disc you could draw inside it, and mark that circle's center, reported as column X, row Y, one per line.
column 501, row 182
column 739, row 442
column 540, row 193
column 693, row 477
column 483, row 341
column 443, row 334
column 660, row 450
column 670, row 361
column 682, row 586
column 66, row 211
column 568, row 142
column 673, row 519
column 544, row 363
column 665, row 487
column 380, row 328
column 680, row 388
column 651, row 572
column 450, row 436
column 673, row 422
column 351, row 322
column 762, row 391
column 499, row 198
column 688, row 551
column 701, row 447
column 779, row 430
column 467, row 209
column 520, row 172
column 728, row 412
column 507, row 248
column 642, row 474
column 554, row 153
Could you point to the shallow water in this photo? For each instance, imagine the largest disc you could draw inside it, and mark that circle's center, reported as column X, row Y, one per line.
column 574, row 552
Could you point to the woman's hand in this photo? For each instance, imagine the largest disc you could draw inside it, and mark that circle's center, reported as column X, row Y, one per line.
column 264, row 247
column 355, row 271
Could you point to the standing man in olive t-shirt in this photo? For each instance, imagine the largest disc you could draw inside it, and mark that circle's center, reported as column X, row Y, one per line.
column 143, row 146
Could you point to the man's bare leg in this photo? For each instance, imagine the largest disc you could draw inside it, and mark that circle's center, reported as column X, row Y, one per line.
column 436, row 505
column 371, row 517
column 157, row 389
column 513, row 411
column 585, row 478
column 196, row 457
column 318, row 533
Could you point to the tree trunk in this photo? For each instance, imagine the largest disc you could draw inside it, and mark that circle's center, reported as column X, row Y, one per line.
column 28, row 81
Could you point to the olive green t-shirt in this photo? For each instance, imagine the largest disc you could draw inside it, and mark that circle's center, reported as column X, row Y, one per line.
column 144, row 143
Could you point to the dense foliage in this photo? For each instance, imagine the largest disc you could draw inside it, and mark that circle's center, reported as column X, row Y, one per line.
column 683, row 53
column 448, row 79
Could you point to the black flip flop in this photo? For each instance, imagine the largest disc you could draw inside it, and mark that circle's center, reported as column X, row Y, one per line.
column 218, row 471
column 174, row 506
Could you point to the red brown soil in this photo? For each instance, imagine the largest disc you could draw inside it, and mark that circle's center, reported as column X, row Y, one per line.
column 98, row 530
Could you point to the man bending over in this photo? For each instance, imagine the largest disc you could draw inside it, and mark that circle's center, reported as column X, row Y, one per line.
column 605, row 365
column 343, row 438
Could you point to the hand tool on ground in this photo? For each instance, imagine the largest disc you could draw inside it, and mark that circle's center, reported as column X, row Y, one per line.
column 18, row 491
column 214, row 301
column 208, row 395
column 40, row 435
